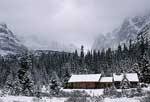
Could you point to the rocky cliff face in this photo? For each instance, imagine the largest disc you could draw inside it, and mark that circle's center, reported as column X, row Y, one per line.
column 126, row 31
column 144, row 32
column 9, row 44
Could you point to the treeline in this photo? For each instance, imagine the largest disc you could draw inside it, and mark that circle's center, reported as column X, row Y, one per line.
column 47, row 66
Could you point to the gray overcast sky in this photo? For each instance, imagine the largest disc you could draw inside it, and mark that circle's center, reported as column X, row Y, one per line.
column 66, row 21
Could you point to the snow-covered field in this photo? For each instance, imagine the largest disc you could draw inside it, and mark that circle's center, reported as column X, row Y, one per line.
column 121, row 100
column 30, row 99
column 91, row 92
column 54, row 99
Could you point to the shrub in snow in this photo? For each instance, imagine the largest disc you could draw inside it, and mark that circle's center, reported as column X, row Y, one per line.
column 5, row 91
column 145, row 99
column 130, row 93
column 38, row 100
column 73, row 94
column 85, row 99
column 77, row 99
column 54, row 88
column 106, row 92
column 38, row 94
column 63, row 94
column 138, row 92
column 79, row 94
column 96, row 99
column 111, row 92
column 54, row 85
column 143, row 85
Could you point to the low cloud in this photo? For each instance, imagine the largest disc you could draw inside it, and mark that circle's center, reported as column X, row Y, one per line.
column 67, row 21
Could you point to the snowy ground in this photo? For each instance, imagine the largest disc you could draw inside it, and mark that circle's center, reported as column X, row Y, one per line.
column 91, row 92
column 122, row 100
column 54, row 99
column 30, row 99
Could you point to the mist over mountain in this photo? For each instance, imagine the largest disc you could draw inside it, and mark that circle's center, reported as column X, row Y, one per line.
column 128, row 30
column 36, row 44
column 10, row 44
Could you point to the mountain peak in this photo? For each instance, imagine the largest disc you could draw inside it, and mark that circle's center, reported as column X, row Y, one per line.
column 128, row 30
column 4, row 25
column 9, row 44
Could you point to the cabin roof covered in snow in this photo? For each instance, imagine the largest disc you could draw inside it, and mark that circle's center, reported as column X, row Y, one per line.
column 85, row 78
column 106, row 79
column 130, row 76
column 118, row 77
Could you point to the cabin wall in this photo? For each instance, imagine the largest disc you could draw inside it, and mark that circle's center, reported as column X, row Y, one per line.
column 90, row 85
column 102, row 85
column 117, row 84
column 133, row 84
column 84, row 85
column 98, row 85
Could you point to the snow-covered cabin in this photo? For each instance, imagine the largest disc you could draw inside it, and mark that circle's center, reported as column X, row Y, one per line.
column 105, row 82
column 84, row 81
column 97, row 81
column 132, row 78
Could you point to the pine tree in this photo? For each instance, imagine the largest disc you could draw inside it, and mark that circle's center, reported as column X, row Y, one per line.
column 125, row 51
column 37, row 90
column 8, row 87
column 66, row 75
column 54, row 84
column 109, row 60
column 143, row 61
column 24, row 83
column 88, row 58
column 82, row 55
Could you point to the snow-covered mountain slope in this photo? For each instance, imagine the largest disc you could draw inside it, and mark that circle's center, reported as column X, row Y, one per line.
column 9, row 44
column 144, row 32
column 126, row 31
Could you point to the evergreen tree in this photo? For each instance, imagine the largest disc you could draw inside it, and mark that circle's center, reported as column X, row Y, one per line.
column 82, row 55
column 54, row 84
column 66, row 75
column 24, row 83
column 125, row 51
column 143, row 61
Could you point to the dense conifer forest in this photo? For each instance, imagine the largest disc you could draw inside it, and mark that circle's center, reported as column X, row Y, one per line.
column 44, row 66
